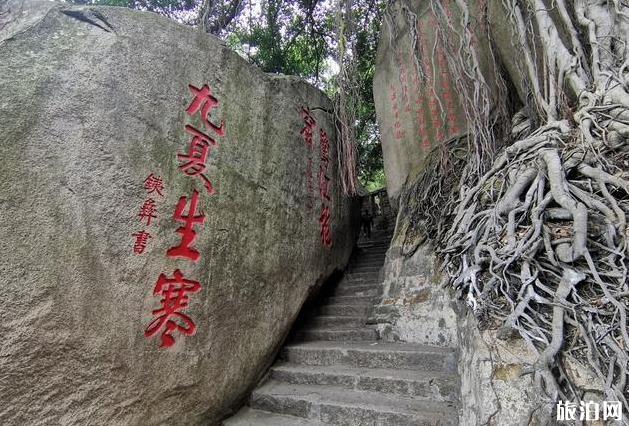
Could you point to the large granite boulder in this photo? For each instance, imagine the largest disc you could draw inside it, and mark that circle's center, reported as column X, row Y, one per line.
column 116, row 125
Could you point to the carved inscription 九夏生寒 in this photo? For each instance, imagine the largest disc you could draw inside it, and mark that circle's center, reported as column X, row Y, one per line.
column 174, row 291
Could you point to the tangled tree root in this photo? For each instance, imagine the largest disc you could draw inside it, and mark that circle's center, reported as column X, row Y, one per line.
column 538, row 246
column 537, row 241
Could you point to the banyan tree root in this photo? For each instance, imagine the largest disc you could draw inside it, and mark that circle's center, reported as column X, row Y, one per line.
column 539, row 247
column 537, row 241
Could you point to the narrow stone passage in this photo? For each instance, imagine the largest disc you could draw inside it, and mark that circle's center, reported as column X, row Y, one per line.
column 337, row 371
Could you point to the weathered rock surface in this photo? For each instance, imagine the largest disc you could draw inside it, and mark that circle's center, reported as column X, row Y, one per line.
column 417, row 97
column 416, row 308
column 92, row 101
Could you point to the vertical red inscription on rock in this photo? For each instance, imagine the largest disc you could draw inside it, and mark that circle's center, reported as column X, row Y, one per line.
column 148, row 211
column 423, row 94
column 324, row 189
column 307, row 134
column 398, row 133
column 309, row 126
column 448, row 96
column 188, row 235
column 174, row 292
column 433, row 101
column 404, row 82
column 324, row 220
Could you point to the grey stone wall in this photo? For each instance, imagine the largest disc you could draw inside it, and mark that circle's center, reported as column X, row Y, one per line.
column 93, row 100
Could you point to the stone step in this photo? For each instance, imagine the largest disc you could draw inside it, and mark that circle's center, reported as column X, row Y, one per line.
column 249, row 417
column 370, row 255
column 359, row 281
column 371, row 265
column 345, row 310
column 373, row 248
column 336, row 334
column 364, row 269
column 357, row 290
column 377, row 354
column 360, row 275
column 339, row 406
column 434, row 386
column 336, row 321
column 350, row 300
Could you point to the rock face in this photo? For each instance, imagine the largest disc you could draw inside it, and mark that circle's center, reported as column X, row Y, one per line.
column 100, row 107
column 415, row 308
column 417, row 97
column 417, row 114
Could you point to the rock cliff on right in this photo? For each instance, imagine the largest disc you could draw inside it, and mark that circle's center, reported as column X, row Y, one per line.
column 505, row 147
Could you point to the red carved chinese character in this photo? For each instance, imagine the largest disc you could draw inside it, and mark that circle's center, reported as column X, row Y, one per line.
column 174, row 300
column 141, row 240
column 154, row 184
column 325, row 146
column 148, row 211
column 324, row 220
column 310, row 124
column 193, row 163
column 324, row 184
column 206, row 102
column 188, row 235
column 309, row 184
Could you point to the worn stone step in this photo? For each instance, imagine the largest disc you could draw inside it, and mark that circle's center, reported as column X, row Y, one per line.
column 367, row 255
column 364, row 267
column 338, row 334
column 350, row 300
column 370, row 254
column 338, row 321
column 434, row 386
column 361, row 275
column 339, row 406
column 359, row 281
column 380, row 249
column 371, row 266
column 345, row 310
column 249, row 417
column 357, row 290
column 377, row 354
column 372, row 246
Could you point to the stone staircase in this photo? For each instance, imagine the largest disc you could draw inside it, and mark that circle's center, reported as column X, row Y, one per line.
column 336, row 371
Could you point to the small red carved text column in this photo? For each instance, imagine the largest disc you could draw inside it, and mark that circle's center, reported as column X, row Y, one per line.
column 148, row 211
column 307, row 133
column 324, row 189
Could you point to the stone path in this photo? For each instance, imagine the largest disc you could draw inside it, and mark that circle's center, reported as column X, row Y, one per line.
column 336, row 371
